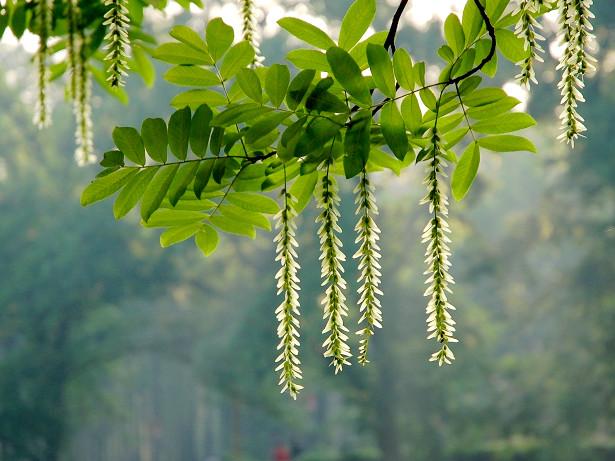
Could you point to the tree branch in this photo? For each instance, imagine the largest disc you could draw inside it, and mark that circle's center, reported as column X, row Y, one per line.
column 456, row 80
column 389, row 43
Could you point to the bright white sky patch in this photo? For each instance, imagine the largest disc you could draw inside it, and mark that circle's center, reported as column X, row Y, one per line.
column 515, row 90
column 422, row 12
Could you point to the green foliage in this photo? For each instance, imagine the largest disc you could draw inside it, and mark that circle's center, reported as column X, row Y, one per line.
column 254, row 131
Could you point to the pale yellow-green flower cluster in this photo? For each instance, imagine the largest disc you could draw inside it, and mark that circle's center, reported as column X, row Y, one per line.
column 250, row 33
column 287, row 312
column 117, row 21
column 369, row 266
column 575, row 37
column 84, row 152
column 526, row 28
column 332, row 257
column 440, row 324
column 44, row 12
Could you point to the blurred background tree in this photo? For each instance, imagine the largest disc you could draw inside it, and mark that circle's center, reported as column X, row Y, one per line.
column 91, row 368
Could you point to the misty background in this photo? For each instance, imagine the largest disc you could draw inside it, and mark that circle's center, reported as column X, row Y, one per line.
column 112, row 349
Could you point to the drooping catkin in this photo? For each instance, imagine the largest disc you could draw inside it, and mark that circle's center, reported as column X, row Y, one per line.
column 72, row 14
column 44, row 11
column 575, row 36
column 368, row 255
column 440, row 324
column 84, row 152
column 117, row 21
column 249, row 31
column 287, row 313
column 526, row 28
column 331, row 256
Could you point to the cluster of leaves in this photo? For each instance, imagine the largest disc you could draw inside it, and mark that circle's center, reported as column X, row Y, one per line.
column 252, row 130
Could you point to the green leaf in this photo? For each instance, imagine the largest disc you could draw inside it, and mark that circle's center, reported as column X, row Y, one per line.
column 104, row 186
column 465, row 171
column 143, row 66
column 253, row 202
column 202, row 177
column 453, row 31
column 276, row 83
column 189, row 37
column 382, row 69
column 232, row 226
column 195, row 98
column 309, row 59
column 112, row 159
column 200, row 128
column 446, row 53
column 429, row 99
column 511, row 46
column 128, row 140
column 178, row 234
column 411, row 112
column 507, row 143
column 239, row 113
column 318, row 132
column 495, row 8
column 505, row 123
column 321, row 100
column 347, row 72
column 469, row 84
column 238, row 57
column 179, row 132
column 402, row 64
column 164, row 217
column 484, row 96
column 207, row 239
column 217, row 137
column 358, row 52
column 191, row 76
column 464, row 64
column 219, row 37
column 298, row 88
column 154, row 134
column 356, row 22
column 394, row 130
column 219, row 168
column 185, row 175
column 483, row 47
column 493, row 109
column 307, row 32
column 179, row 53
column 265, row 125
column 302, row 190
column 418, row 73
column 130, row 195
column 157, row 189
column 471, row 21
column 250, row 84
column 357, row 143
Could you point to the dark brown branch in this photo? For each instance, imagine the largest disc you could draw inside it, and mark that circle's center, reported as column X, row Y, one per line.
column 477, row 68
column 389, row 43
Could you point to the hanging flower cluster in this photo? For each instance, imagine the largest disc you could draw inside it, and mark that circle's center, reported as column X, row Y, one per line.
column 526, row 29
column 117, row 21
column 250, row 34
column 332, row 258
column 369, row 267
column 440, row 324
column 287, row 312
column 84, row 152
column 44, row 11
column 576, row 34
